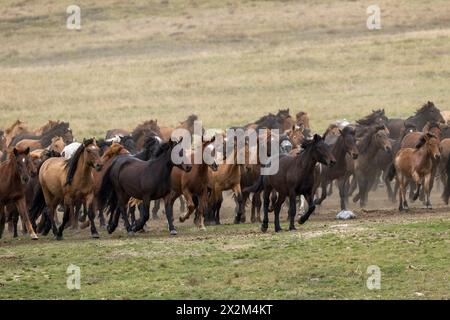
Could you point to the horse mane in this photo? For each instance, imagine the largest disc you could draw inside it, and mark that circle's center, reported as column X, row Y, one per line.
column 143, row 128
column 422, row 140
column 348, row 130
column 58, row 130
column 370, row 119
column 328, row 130
column 72, row 163
column 190, row 120
column 431, row 125
column 425, row 107
column 283, row 113
column 116, row 149
column 16, row 123
column 148, row 150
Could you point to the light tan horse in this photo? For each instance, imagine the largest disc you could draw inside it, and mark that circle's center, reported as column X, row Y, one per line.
column 16, row 128
column 69, row 182
column 57, row 145
column 416, row 164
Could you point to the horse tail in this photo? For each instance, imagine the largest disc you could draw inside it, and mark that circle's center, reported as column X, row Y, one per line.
column 257, row 186
column 107, row 194
column 391, row 172
column 38, row 204
column 446, row 193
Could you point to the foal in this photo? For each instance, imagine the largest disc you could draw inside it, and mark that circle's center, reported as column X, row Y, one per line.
column 416, row 164
column 15, row 176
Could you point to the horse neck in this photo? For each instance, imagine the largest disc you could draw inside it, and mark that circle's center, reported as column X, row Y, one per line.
column 424, row 156
column 83, row 171
column 371, row 150
column 339, row 152
column 9, row 172
column 305, row 160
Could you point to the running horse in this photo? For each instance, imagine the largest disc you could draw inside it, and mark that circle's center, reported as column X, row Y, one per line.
column 129, row 177
column 69, row 182
column 416, row 164
column 296, row 176
column 15, row 176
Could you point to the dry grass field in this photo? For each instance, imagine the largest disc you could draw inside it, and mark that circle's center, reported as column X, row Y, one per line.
column 229, row 62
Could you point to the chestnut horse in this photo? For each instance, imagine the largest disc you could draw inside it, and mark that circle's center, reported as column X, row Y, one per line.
column 416, row 164
column 188, row 124
column 193, row 184
column 15, row 176
column 17, row 128
column 69, row 182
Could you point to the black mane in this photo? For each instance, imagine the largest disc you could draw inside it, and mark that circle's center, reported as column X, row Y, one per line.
column 72, row 163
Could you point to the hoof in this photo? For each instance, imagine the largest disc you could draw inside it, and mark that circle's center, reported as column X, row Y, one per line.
column 95, row 235
column 131, row 233
column 278, row 230
column 293, row 229
column 34, row 237
column 173, row 232
column 301, row 220
column 264, row 228
column 182, row 219
column 237, row 221
column 59, row 237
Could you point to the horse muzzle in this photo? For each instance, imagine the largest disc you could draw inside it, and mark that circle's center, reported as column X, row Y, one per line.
column 331, row 163
column 437, row 156
column 25, row 179
column 355, row 156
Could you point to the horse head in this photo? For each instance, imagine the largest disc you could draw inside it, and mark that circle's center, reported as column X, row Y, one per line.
column 23, row 164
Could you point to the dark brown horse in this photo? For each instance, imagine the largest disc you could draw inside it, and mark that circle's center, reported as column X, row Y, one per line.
column 129, row 177
column 146, row 129
column 296, row 176
column 376, row 138
column 344, row 145
column 427, row 113
column 15, row 176
column 376, row 118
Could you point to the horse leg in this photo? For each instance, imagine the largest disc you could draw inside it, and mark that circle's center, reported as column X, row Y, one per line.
column 15, row 220
column 266, row 203
column 277, row 209
column 190, row 205
column 68, row 213
column 74, row 218
column 201, row 210
column 21, row 206
column 2, row 219
column 323, row 186
column 292, row 211
column 217, row 208
column 389, row 190
column 156, row 206
column 182, row 204
column 238, row 193
column 311, row 207
column 50, row 216
column 101, row 217
column 83, row 216
column 342, row 186
column 168, row 208
column 245, row 197
column 402, row 193
column 91, row 208
column 427, row 189
column 146, row 214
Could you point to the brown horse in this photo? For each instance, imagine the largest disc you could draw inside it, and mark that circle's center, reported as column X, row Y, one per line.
column 61, row 129
column 69, row 182
column 146, row 129
column 416, row 164
column 302, row 119
column 15, row 175
column 57, row 145
column 46, row 127
column 187, row 124
column 17, row 128
column 2, row 144
column 193, row 184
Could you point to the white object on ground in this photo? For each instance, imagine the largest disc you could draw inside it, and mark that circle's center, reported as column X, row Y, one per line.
column 345, row 214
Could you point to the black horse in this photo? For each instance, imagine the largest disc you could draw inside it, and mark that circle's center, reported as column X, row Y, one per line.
column 427, row 113
column 144, row 180
column 296, row 176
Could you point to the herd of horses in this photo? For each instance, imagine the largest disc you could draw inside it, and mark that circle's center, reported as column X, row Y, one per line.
column 45, row 171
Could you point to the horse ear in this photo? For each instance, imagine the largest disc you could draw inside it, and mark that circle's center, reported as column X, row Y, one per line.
column 15, row 151
column 27, row 150
column 213, row 138
column 317, row 138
